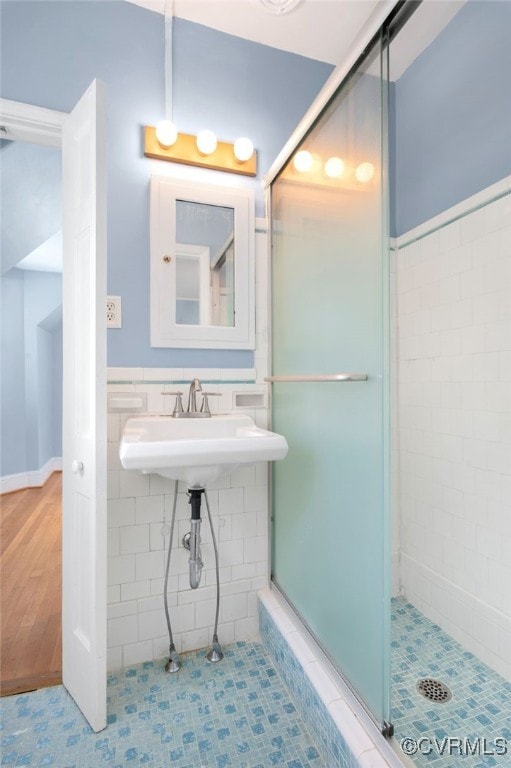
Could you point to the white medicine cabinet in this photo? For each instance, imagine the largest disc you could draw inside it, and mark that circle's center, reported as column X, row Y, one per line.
column 202, row 265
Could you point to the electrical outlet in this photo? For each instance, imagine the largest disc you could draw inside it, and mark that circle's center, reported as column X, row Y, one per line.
column 113, row 312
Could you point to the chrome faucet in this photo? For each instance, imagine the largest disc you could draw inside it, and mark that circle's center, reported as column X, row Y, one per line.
column 192, row 412
column 195, row 387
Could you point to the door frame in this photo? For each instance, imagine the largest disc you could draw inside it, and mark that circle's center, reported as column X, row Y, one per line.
column 38, row 125
column 26, row 122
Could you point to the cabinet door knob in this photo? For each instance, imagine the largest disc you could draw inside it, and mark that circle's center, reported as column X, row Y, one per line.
column 77, row 466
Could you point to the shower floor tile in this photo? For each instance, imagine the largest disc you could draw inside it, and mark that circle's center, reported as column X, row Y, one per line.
column 235, row 714
column 480, row 704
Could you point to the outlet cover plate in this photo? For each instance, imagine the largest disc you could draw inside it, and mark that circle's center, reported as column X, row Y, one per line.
column 113, row 312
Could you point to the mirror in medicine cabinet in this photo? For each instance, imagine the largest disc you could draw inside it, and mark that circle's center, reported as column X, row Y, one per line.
column 202, row 265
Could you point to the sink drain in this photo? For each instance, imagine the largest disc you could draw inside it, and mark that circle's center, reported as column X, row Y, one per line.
column 434, row 690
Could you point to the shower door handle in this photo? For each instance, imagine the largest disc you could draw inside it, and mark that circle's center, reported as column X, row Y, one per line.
column 319, row 377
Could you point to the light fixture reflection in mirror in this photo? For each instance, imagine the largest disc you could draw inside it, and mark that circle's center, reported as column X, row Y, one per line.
column 303, row 161
column 364, row 172
column 204, row 264
column 334, row 167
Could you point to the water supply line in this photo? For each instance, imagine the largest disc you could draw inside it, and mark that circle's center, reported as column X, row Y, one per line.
column 174, row 663
column 192, row 542
column 215, row 654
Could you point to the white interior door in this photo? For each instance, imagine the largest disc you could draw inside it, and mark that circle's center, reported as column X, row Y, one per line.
column 84, row 408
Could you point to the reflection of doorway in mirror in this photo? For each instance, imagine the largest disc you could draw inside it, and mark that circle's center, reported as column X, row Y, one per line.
column 222, row 280
column 204, row 227
column 192, row 276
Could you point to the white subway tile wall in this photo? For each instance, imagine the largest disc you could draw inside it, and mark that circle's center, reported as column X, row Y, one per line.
column 139, row 513
column 452, row 457
column 140, row 509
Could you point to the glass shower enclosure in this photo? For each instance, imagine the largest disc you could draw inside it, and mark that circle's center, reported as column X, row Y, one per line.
column 330, row 391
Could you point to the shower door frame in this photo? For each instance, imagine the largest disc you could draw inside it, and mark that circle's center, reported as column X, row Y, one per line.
column 381, row 28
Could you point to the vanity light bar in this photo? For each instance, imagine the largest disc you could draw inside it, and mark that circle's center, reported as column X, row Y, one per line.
column 185, row 151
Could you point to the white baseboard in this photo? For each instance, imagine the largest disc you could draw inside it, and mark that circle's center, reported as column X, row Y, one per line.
column 33, row 479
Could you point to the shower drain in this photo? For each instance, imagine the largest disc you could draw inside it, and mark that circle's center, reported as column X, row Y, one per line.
column 434, row 690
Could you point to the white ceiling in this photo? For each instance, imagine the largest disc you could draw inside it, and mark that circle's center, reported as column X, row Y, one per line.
column 319, row 29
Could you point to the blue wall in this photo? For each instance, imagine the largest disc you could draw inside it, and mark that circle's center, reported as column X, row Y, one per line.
column 30, row 188
column 31, row 371
column 12, row 375
column 453, row 115
column 58, row 360
column 31, row 359
column 53, row 360
column 51, row 51
column 42, row 296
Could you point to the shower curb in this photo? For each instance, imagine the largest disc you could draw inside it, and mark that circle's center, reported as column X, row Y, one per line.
column 320, row 701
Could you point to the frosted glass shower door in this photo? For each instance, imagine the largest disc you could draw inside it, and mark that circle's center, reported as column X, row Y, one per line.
column 329, row 315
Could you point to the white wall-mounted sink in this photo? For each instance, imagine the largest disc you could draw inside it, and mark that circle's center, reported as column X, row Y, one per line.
column 196, row 451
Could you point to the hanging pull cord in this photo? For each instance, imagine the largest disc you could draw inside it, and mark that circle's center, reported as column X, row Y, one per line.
column 215, row 654
column 169, row 73
column 174, row 663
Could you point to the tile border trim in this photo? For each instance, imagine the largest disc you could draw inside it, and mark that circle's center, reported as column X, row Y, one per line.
column 469, row 205
column 117, row 375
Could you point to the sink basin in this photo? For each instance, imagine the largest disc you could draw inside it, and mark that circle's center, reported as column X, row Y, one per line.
column 196, row 451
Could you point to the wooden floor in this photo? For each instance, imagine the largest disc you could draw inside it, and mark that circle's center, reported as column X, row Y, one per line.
column 31, row 587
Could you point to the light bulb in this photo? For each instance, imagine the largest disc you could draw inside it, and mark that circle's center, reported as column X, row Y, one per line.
column 166, row 133
column 243, row 149
column 206, row 142
column 364, row 172
column 303, row 161
column 334, row 167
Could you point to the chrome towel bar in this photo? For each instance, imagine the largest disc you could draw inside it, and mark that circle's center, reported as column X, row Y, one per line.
column 320, row 377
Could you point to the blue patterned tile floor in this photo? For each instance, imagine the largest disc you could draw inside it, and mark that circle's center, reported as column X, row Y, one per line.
column 480, row 704
column 235, row 714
